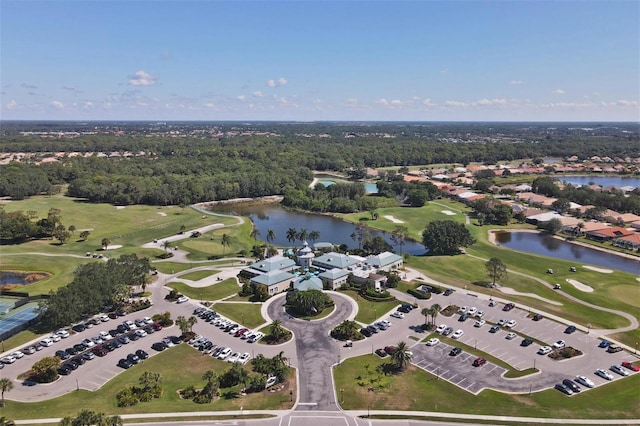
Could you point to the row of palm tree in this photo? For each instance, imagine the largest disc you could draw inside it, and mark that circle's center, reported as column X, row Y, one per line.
column 292, row 235
column 432, row 312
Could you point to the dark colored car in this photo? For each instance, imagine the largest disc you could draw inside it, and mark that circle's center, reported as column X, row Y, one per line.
column 62, row 355
column 570, row 329
column 125, row 363
column 479, row 361
column 159, row 346
column 390, row 349
column 463, row 317
column 100, row 350
column 134, row 359
column 372, row 328
column 537, row 317
column 133, row 337
column 381, row 353
column 110, row 346
column 405, row 308
column 447, row 331
column 157, row 326
column 78, row 328
column 73, row 364
column 112, row 315
column 121, row 313
column 613, row 349
column 116, row 343
column 64, row 370
column 71, row 351
column 455, row 351
column 150, row 329
column 80, row 360
column 121, row 328
column 114, row 333
column 175, row 340
column 142, row 354
column 448, row 292
column 508, row 307
column 80, row 347
column 494, row 329
column 571, row 385
column 526, row 342
column 366, row 332
column 564, row 389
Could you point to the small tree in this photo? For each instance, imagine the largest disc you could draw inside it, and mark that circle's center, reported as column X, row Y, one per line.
column 46, row 370
column 496, row 270
column 72, row 229
column 276, row 330
column 183, row 324
column 435, row 310
column 84, row 235
column 271, row 235
column 401, row 357
column 6, row 385
column 226, row 242
column 105, row 243
column 166, row 245
column 553, row 226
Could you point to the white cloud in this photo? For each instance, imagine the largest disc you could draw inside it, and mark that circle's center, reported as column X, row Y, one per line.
column 241, row 97
column 88, row 104
column 282, row 81
column 456, row 104
column 141, row 78
column 276, row 83
column 558, row 92
column 257, row 94
column 209, row 105
column 271, row 83
column 382, row 102
column 351, row 102
column 516, row 82
column 11, row 104
column 626, row 103
column 57, row 104
column 427, row 102
column 479, row 103
column 396, row 102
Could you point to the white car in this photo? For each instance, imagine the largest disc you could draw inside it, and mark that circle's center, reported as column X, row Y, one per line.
column 244, row 358
column 397, row 314
column 168, row 342
column 510, row 324
column 46, row 342
column 182, row 299
column 604, row 374
column 9, row 359
column 544, row 350
column 472, row 310
column 88, row 343
column 457, row 334
column 492, row 303
column 17, row 354
column 105, row 336
column 147, row 320
column 479, row 314
column 463, row 309
column 441, row 328
column 433, row 342
column 141, row 333
column 502, row 322
column 62, row 333
column 479, row 323
column 130, row 325
column 224, row 354
column 103, row 318
column 257, row 336
column 97, row 340
column 55, row 338
column 510, row 336
column 559, row 344
column 585, row 381
column 234, row 357
column 619, row 369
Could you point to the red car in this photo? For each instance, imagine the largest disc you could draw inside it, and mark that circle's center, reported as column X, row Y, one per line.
column 479, row 361
column 632, row 367
column 508, row 307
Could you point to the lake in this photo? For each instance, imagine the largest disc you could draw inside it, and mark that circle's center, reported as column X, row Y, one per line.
column 332, row 230
column 546, row 245
column 606, row 181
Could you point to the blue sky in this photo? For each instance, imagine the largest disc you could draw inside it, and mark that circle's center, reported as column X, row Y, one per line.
column 306, row 60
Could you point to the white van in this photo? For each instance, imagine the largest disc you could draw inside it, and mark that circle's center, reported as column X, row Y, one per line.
column 46, row 342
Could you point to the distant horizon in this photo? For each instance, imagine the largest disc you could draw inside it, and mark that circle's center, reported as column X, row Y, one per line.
column 311, row 121
column 314, row 61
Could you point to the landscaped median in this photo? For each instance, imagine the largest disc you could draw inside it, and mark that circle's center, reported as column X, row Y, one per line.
column 417, row 390
column 216, row 291
column 171, row 365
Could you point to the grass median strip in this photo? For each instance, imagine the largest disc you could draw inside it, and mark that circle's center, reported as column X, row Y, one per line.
column 246, row 314
column 216, row 291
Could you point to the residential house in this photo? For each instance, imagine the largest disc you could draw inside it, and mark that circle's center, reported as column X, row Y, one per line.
column 631, row 242
column 608, row 234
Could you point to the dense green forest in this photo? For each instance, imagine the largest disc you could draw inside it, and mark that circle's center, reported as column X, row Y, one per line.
column 226, row 161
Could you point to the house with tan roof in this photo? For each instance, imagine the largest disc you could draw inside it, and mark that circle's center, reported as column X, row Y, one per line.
column 608, row 234
column 631, row 242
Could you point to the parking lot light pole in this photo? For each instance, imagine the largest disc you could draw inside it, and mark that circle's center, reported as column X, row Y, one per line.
column 534, row 363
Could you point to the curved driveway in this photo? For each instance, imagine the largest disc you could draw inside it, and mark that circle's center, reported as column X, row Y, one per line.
column 316, row 351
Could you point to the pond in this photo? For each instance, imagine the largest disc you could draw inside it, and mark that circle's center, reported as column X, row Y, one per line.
column 606, row 181
column 370, row 187
column 546, row 245
column 21, row 278
column 335, row 231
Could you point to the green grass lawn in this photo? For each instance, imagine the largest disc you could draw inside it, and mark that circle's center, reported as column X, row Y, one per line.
column 166, row 363
column 198, row 275
column 217, row 291
column 174, row 267
column 246, row 314
column 418, row 390
column 369, row 312
column 209, row 244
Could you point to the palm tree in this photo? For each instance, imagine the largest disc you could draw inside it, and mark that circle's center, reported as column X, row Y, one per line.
column 183, row 324
column 303, row 234
column 210, row 376
column 402, row 356
column 6, row 385
column 191, row 322
column 435, row 310
column 226, row 242
column 6, row 422
column 280, row 359
column 271, row 235
column 292, row 235
column 314, row 235
column 427, row 313
column 254, row 234
column 276, row 330
column 105, row 243
column 166, row 245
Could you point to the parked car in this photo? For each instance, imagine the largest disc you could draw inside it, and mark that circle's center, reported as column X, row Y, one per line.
column 545, row 350
column 564, row 389
column 501, row 322
column 397, row 314
column 583, row 380
column 630, row 366
column 526, row 342
column 604, row 374
column 618, row 369
column 365, row 332
column 257, row 336
column 537, row 317
column 88, row 355
column 614, row 348
column 62, row 333
column 472, row 311
column 570, row 329
column 511, row 324
column 64, row 370
column 463, row 309
column 479, row 323
column 125, row 363
column 458, row 334
column 233, row 357
column 182, row 299
column 158, row 346
column 448, row 292
column 46, row 342
column 510, row 336
column 479, row 314
column 124, row 340
column 604, row 344
column 432, row 342
column 463, row 317
column 29, row 350
column 140, row 333
column 441, row 328
column 492, row 303
column 479, row 361
column 79, row 328
column 244, row 358
column 455, row 351
column 559, row 344
column 447, row 331
column 508, row 307
column 494, row 329
column 381, row 352
column 142, row 354
column 224, row 354
column 134, row 359
column 571, row 385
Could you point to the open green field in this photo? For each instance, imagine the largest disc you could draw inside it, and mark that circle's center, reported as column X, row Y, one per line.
column 368, row 311
column 418, row 390
column 246, row 314
column 166, row 363
column 198, row 275
column 217, row 291
column 618, row 290
column 210, row 243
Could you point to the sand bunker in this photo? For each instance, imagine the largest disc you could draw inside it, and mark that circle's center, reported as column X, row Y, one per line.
column 509, row 290
column 162, row 213
column 113, row 247
column 448, row 212
column 120, row 207
column 393, row 219
column 578, row 285
column 602, row 270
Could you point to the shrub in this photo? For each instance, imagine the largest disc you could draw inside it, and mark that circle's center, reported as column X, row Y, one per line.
column 189, row 392
column 419, row 294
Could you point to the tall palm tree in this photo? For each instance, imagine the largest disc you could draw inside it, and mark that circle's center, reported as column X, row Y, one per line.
column 292, row 235
column 226, row 242
column 271, row 235
column 166, row 245
column 314, row 235
column 183, row 324
column 402, row 356
column 254, row 234
column 427, row 313
column 6, row 385
column 280, row 359
column 276, row 329
column 191, row 322
column 303, row 234
column 435, row 310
